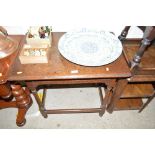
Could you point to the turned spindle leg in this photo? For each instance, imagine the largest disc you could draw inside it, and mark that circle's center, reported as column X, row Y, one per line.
column 23, row 102
column 124, row 33
column 137, row 58
column 149, row 35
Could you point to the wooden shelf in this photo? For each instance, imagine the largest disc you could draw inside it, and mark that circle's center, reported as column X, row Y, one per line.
column 139, row 90
column 128, row 104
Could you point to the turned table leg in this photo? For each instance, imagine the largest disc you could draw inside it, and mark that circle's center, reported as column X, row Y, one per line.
column 23, row 102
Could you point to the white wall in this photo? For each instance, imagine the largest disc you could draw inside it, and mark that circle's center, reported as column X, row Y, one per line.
column 64, row 15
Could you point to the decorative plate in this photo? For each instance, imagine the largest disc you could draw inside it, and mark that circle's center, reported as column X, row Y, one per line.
column 90, row 48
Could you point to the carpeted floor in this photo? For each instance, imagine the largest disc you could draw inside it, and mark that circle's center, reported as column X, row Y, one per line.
column 79, row 97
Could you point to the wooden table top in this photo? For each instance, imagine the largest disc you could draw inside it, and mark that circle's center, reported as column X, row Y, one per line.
column 58, row 68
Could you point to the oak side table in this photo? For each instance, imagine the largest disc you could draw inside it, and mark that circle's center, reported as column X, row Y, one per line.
column 59, row 72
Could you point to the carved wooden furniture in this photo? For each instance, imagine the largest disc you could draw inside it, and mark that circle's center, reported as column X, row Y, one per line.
column 59, row 72
column 22, row 100
column 141, row 59
column 10, row 90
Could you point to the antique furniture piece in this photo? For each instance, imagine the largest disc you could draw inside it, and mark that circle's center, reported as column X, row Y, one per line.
column 141, row 59
column 126, row 80
column 59, row 72
column 9, row 48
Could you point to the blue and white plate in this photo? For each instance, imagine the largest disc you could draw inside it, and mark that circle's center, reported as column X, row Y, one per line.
column 90, row 48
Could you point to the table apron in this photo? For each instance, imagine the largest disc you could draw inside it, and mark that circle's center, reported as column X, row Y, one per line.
column 35, row 84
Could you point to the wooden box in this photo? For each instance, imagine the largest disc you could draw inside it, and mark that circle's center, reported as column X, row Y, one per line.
column 32, row 55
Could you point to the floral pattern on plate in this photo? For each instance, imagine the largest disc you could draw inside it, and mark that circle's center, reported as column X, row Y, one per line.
column 90, row 48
